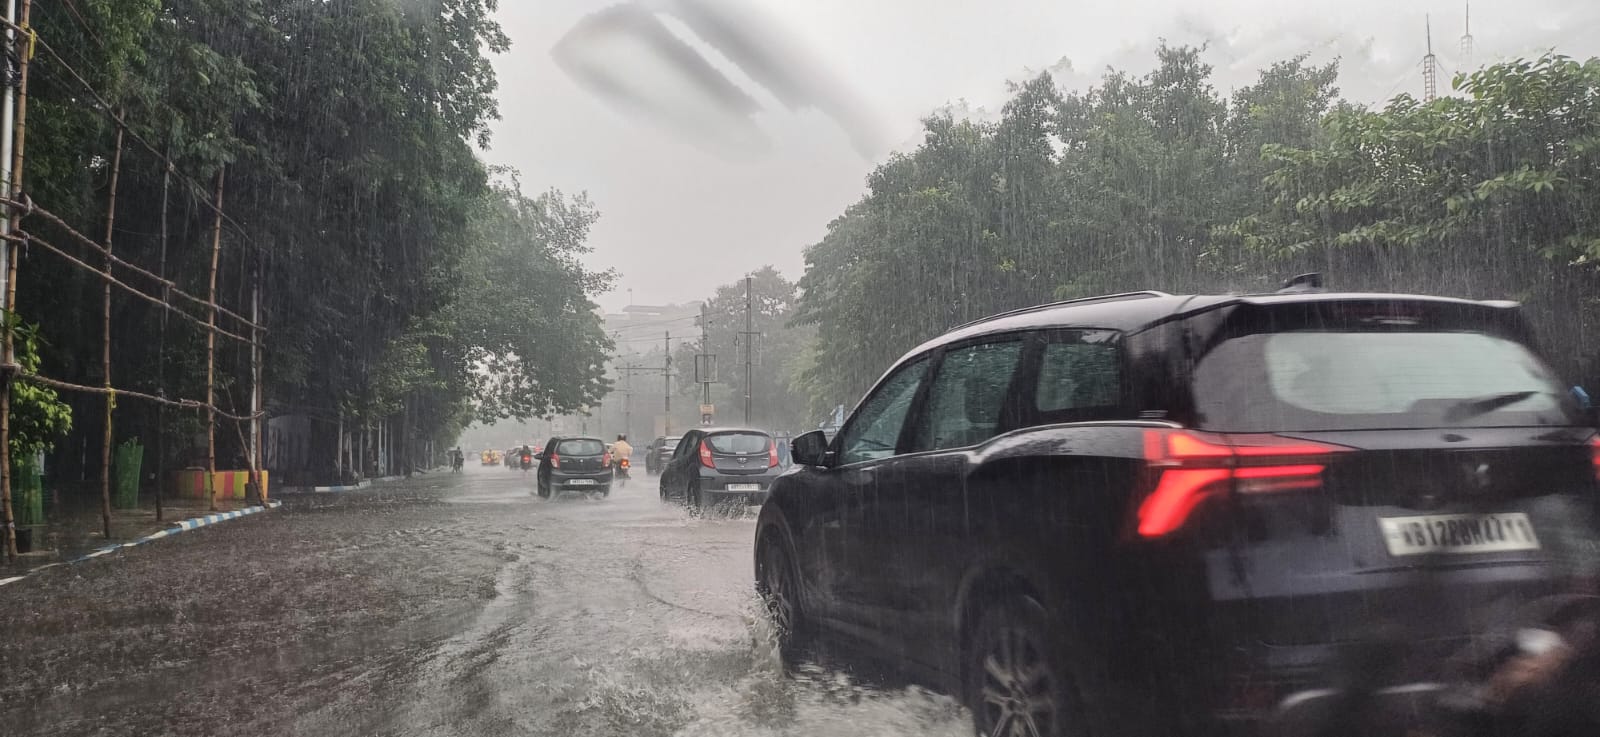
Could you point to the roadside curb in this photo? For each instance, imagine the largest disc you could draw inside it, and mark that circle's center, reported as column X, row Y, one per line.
column 184, row 526
column 365, row 483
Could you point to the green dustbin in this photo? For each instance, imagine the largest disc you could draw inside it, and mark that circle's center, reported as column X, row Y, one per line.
column 29, row 490
column 125, row 468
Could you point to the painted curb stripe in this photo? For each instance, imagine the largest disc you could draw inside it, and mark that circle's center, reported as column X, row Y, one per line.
column 184, row 526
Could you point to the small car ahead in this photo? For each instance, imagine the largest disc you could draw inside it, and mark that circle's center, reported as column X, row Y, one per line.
column 721, row 467
column 659, row 452
column 580, row 464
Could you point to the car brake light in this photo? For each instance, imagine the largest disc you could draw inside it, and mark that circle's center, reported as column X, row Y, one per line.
column 772, row 455
column 555, row 461
column 1594, row 457
column 705, row 456
column 1195, row 467
column 605, row 459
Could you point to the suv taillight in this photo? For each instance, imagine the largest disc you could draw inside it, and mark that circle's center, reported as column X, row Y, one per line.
column 705, row 456
column 555, row 460
column 772, row 455
column 1194, row 467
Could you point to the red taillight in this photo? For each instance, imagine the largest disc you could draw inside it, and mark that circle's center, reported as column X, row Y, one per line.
column 772, row 455
column 605, row 459
column 705, row 456
column 1195, row 467
column 1594, row 456
column 555, row 460
column 625, row 463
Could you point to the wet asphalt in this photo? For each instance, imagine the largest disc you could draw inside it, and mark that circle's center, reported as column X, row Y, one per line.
column 443, row 605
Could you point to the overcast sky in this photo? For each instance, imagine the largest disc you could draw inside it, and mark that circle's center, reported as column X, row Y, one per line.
column 677, row 220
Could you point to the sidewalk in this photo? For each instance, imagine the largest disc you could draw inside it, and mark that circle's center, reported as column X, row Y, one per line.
column 73, row 528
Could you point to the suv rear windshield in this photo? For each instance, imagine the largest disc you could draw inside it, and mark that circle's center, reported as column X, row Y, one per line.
column 581, row 447
column 738, row 442
column 1307, row 380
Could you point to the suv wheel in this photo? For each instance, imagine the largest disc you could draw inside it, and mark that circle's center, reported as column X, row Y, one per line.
column 778, row 584
column 1016, row 679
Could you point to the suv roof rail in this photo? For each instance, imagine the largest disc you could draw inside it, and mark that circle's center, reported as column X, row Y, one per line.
column 1081, row 300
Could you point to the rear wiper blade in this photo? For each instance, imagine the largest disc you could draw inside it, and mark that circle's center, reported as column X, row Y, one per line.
column 1469, row 408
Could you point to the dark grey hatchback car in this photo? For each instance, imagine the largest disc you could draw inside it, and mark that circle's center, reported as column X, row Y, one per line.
column 574, row 464
column 719, row 466
column 1154, row 514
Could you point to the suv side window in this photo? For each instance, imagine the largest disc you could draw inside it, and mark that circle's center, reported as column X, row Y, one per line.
column 968, row 393
column 1080, row 376
column 874, row 432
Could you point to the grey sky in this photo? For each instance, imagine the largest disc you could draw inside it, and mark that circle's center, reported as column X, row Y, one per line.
column 677, row 221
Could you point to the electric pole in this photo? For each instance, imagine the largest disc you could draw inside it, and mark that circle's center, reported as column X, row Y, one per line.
column 666, row 380
column 749, row 335
column 1466, row 43
column 627, row 399
column 703, row 372
column 1430, row 67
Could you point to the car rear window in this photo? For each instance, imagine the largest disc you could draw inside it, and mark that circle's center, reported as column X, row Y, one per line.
column 738, row 442
column 1311, row 380
column 581, row 447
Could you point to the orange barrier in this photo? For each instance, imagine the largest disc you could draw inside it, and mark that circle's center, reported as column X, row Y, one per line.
column 191, row 484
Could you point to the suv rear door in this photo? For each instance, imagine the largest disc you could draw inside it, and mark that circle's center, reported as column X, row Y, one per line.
column 1423, row 431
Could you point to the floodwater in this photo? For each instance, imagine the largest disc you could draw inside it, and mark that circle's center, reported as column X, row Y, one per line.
column 446, row 605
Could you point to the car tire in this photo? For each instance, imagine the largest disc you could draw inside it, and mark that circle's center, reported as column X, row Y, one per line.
column 1014, row 667
column 691, row 494
column 605, row 491
column 778, row 585
column 543, row 491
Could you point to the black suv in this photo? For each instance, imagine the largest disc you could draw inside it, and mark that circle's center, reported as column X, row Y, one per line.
column 721, row 466
column 574, row 464
column 1156, row 514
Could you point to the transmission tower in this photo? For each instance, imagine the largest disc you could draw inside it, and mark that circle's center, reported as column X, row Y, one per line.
column 1430, row 68
column 1466, row 42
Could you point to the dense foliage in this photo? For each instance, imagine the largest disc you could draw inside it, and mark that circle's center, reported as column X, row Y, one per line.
column 1159, row 182
column 394, row 268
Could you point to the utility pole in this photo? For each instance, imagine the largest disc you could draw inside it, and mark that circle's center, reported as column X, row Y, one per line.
column 1430, row 67
column 705, row 369
column 627, row 399
column 1466, row 42
column 666, row 379
column 749, row 335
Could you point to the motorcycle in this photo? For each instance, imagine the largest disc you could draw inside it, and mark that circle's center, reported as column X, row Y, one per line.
column 527, row 462
column 620, row 468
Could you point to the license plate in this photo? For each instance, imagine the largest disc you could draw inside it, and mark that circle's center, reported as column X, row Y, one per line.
column 1458, row 533
column 580, row 482
column 744, row 487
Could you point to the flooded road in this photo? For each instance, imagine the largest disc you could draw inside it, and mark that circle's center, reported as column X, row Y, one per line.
column 446, row 605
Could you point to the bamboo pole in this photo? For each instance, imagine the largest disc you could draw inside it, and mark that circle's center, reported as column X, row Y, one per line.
column 105, row 346
column 10, row 354
column 211, row 354
column 161, row 343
